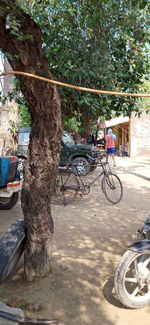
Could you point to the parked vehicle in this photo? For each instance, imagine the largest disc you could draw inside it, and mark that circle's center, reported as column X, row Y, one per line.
column 85, row 155
column 9, row 182
column 132, row 277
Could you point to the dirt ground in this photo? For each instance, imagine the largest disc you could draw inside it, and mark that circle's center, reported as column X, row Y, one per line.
column 90, row 237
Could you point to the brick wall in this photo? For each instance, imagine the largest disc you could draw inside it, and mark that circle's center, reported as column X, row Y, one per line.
column 140, row 135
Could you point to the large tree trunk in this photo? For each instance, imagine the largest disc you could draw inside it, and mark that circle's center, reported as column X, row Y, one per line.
column 44, row 105
column 89, row 124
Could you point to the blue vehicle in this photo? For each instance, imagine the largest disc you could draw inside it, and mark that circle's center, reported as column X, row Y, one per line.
column 9, row 182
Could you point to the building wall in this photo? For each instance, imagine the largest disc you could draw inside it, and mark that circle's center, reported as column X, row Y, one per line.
column 8, row 112
column 140, row 135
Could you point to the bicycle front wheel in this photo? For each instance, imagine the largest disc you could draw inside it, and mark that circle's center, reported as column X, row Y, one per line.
column 66, row 187
column 112, row 188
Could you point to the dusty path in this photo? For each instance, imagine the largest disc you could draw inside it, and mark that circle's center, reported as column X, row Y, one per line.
column 90, row 236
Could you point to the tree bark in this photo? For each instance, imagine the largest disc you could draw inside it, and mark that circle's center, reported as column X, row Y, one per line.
column 89, row 124
column 25, row 54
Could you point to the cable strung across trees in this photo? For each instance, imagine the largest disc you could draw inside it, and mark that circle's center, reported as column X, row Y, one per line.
column 96, row 91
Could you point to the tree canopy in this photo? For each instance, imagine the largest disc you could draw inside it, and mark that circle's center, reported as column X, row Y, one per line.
column 94, row 44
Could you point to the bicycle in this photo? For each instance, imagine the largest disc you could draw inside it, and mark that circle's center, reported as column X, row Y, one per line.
column 68, row 184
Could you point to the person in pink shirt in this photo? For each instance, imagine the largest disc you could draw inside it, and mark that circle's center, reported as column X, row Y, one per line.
column 110, row 144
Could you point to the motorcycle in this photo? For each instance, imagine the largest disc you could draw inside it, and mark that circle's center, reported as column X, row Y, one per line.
column 10, row 183
column 132, row 277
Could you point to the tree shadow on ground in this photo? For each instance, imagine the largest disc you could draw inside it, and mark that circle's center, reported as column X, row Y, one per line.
column 110, row 295
column 90, row 237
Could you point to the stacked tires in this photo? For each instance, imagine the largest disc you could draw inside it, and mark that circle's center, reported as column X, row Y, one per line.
column 11, row 249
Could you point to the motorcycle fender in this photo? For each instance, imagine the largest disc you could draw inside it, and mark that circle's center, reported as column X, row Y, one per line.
column 140, row 246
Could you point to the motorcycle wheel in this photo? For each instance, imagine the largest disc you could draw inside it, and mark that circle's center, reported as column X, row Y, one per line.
column 9, row 202
column 132, row 279
column 11, row 248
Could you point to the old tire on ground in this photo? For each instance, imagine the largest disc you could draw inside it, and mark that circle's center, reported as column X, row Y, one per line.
column 11, row 248
column 8, row 203
column 83, row 166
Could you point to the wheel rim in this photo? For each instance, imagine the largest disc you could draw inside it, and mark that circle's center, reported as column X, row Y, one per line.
column 81, row 168
column 137, row 278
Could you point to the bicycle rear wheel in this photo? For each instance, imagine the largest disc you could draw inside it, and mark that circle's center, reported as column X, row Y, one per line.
column 66, row 187
column 112, row 188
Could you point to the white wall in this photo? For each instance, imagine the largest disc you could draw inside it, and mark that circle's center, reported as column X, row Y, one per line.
column 1, row 70
column 8, row 112
column 140, row 135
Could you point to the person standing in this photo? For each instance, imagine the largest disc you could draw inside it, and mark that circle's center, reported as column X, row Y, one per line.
column 91, row 139
column 110, row 144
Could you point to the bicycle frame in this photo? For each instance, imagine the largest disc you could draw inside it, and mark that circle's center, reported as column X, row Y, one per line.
column 105, row 171
column 67, row 172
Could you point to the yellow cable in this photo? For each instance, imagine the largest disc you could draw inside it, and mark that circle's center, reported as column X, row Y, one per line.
column 96, row 91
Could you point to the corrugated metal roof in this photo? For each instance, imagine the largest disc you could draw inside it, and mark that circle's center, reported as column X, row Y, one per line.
column 113, row 122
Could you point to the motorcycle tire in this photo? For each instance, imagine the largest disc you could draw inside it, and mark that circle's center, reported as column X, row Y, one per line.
column 12, row 245
column 9, row 203
column 132, row 279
